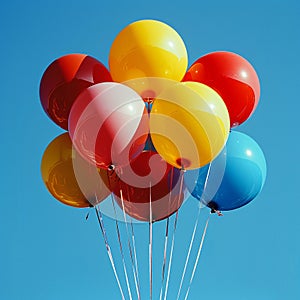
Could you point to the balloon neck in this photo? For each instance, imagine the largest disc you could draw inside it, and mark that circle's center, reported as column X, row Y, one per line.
column 148, row 100
column 183, row 163
column 148, row 96
column 111, row 167
column 214, row 208
column 93, row 201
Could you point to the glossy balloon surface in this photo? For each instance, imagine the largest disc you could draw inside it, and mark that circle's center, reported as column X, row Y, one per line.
column 83, row 188
column 64, row 79
column 242, row 174
column 147, row 48
column 109, row 124
column 189, row 124
column 149, row 179
column 233, row 78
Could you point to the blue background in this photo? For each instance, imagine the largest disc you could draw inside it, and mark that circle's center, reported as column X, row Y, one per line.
column 49, row 251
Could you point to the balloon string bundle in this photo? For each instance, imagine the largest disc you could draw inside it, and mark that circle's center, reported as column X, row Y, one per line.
column 164, row 257
column 197, row 258
column 190, row 247
column 134, row 260
column 150, row 242
column 112, row 169
column 135, row 257
column 192, row 240
column 171, row 256
column 121, row 249
column 132, row 249
column 109, row 253
column 165, row 254
column 173, row 240
column 189, row 253
column 166, row 239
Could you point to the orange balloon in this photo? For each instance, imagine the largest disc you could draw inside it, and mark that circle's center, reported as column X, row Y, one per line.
column 69, row 178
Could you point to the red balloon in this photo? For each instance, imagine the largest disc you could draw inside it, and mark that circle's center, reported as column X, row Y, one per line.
column 233, row 78
column 109, row 124
column 64, row 79
column 149, row 178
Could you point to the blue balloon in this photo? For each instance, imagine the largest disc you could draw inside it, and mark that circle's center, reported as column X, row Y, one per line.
column 234, row 178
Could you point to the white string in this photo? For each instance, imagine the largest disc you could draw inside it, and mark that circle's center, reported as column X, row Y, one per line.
column 134, row 253
column 121, row 250
column 165, row 258
column 193, row 235
column 109, row 253
column 171, row 256
column 166, row 240
column 189, row 252
column 150, row 243
column 134, row 266
column 197, row 259
column 173, row 241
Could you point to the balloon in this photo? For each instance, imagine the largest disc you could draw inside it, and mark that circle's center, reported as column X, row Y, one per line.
column 241, row 179
column 189, row 124
column 109, row 124
column 64, row 79
column 80, row 189
column 233, row 77
column 149, row 178
column 147, row 48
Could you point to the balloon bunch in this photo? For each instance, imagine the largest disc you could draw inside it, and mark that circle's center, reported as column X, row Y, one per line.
column 148, row 133
column 149, row 130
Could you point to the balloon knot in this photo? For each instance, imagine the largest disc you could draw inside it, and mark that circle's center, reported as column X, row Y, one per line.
column 111, row 167
column 214, row 208
column 215, row 211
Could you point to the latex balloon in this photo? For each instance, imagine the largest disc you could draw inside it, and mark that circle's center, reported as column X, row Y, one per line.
column 149, row 178
column 147, row 48
column 81, row 189
column 189, row 124
column 109, row 124
column 64, row 79
column 241, row 181
column 160, row 210
column 233, row 77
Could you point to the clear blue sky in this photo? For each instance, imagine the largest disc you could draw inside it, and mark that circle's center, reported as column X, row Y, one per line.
column 49, row 251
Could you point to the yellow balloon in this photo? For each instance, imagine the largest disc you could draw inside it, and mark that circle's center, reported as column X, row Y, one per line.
column 80, row 187
column 148, row 48
column 189, row 125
